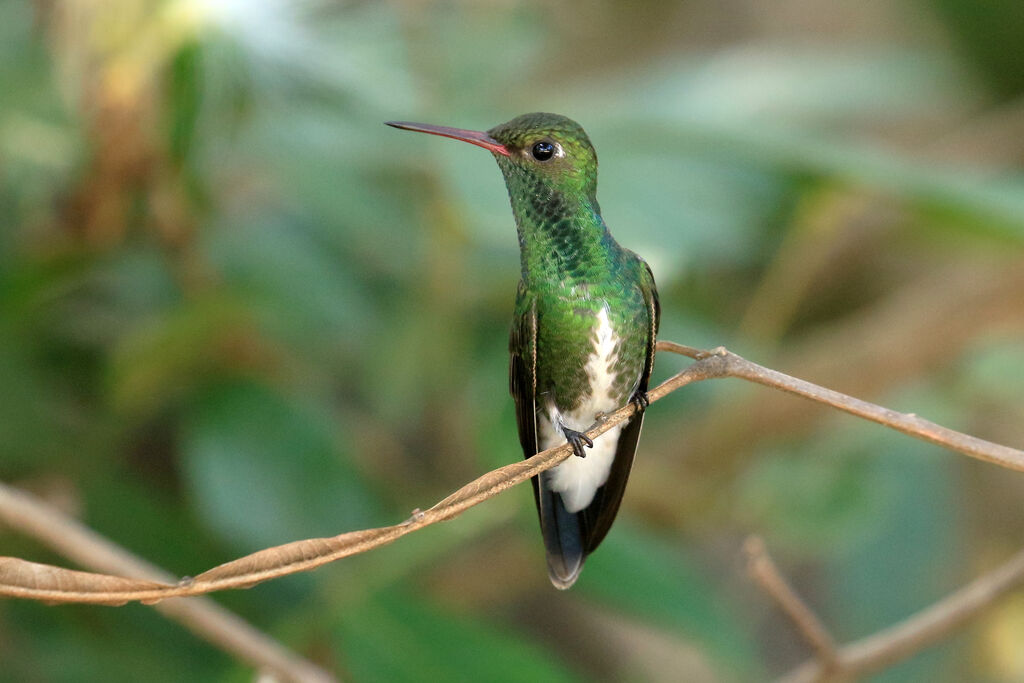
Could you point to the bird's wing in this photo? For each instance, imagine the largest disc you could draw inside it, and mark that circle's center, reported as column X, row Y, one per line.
column 650, row 291
column 561, row 530
column 522, row 347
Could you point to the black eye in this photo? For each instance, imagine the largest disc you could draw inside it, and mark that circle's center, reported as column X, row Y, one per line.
column 542, row 151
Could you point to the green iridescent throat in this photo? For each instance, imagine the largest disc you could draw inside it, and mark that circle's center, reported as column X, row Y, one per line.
column 561, row 233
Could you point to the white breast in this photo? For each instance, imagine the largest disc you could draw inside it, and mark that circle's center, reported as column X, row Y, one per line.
column 577, row 479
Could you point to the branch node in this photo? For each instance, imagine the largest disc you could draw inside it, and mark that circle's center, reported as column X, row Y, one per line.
column 719, row 351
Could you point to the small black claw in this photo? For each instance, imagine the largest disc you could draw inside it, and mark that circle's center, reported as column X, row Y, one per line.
column 577, row 440
column 641, row 400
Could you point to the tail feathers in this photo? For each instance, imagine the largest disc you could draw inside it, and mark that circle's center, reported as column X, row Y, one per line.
column 563, row 538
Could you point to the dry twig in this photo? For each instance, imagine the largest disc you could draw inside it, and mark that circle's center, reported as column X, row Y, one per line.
column 762, row 569
column 723, row 363
column 908, row 637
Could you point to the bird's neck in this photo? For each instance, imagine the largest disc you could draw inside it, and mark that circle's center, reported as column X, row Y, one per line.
column 562, row 237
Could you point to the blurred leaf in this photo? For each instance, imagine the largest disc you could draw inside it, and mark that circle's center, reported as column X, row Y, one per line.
column 265, row 468
column 148, row 519
column 307, row 50
column 292, row 286
column 500, row 48
column 717, row 211
column 822, row 494
column 169, row 357
column 754, row 84
column 966, row 195
column 184, row 99
column 396, row 636
column 910, row 561
column 96, row 303
column 124, row 644
column 653, row 579
column 29, row 436
column 989, row 33
column 995, row 372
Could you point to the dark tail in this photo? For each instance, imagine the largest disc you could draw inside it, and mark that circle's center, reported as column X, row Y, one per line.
column 570, row 536
column 563, row 538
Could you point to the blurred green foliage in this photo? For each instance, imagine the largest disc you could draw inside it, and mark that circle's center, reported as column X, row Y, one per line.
column 236, row 310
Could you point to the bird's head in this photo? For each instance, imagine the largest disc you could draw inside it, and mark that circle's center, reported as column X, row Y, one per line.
column 536, row 152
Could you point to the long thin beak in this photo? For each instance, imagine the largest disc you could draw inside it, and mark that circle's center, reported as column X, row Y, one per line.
column 473, row 137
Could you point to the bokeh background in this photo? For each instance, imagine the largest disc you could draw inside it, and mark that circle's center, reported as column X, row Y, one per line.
column 236, row 310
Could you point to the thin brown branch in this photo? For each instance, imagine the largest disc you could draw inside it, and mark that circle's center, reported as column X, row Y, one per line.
column 925, row 628
column 762, row 569
column 33, row 517
column 723, row 363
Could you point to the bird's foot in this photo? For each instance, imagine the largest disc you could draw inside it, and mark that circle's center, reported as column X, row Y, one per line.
column 577, row 441
column 641, row 400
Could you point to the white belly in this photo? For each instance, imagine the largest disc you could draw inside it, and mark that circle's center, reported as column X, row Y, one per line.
column 577, row 479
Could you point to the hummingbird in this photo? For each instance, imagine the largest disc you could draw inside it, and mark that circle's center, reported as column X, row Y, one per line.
column 583, row 335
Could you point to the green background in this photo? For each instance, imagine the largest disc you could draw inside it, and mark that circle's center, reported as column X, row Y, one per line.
column 236, row 311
